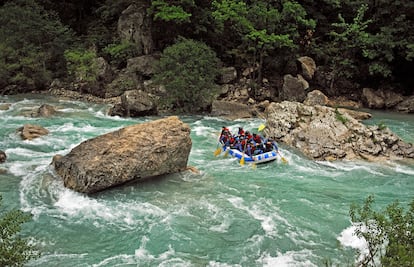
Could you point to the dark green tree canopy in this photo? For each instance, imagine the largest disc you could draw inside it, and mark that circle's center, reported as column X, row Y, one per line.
column 188, row 70
column 32, row 42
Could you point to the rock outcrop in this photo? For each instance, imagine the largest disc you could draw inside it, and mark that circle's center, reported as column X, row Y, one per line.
column 3, row 156
column 44, row 110
column 294, row 88
column 232, row 110
column 307, row 66
column 132, row 153
column 135, row 103
column 30, row 131
column 134, row 25
column 325, row 133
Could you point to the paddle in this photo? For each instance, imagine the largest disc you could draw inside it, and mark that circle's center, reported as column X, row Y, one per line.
column 242, row 159
column 218, row 150
column 226, row 153
column 261, row 127
column 282, row 158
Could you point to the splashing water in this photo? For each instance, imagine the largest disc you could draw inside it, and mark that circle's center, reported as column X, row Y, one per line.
column 293, row 214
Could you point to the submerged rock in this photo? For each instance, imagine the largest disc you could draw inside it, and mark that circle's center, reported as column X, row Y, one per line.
column 325, row 133
column 132, row 153
column 30, row 131
column 3, row 156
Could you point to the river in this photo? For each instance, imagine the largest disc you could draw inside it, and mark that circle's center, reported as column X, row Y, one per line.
column 276, row 214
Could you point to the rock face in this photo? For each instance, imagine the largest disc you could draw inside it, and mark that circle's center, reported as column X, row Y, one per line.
column 3, row 156
column 135, row 103
column 134, row 25
column 232, row 110
column 30, row 131
column 294, row 88
column 308, row 67
column 44, row 110
column 131, row 153
column 325, row 133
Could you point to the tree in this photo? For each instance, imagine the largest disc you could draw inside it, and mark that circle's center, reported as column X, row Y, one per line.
column 14, row 250
column 81, row 64
column 262, row 26
column 188, row 70
column 32, row 42
column 348, row 42
column 389, row 234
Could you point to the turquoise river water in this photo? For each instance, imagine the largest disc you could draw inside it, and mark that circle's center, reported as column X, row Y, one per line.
column 277, row 214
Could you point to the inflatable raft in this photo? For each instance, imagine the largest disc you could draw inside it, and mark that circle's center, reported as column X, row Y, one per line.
column 260, row 158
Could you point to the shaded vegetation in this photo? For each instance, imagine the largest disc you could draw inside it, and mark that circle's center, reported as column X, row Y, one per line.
column 188, row 70
column 368, row 42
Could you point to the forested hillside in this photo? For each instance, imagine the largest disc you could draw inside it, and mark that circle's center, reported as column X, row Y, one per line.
column 362, row 42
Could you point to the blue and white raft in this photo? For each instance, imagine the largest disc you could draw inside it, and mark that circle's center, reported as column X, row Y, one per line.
column 260, row 158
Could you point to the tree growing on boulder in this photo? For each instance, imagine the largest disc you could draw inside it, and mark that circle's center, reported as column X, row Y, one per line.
column 188, row 70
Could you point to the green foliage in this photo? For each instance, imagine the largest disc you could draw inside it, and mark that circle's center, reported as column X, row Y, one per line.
column 340, row 117
column 14, row 250
column 120, row 52
column 382, row 126
column 390, row 231
column 348, row 40
column 32, row 42
column 261, row 26
column 81, row 64
column 188, row 70
column 170, row 11
column 391, row 41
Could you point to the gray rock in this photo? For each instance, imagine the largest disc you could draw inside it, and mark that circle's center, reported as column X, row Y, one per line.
column 134, row 25
column 104, row 71
column 3, row 156
column 132, row 153
column 308, row 67
column 30, row 131
column 325, row 133
column 407, row 105
column 232, row 110
column 142, row 65
column 316, row 97
column 135, row 103
column 293, row 88
column 371, row 99
column 5, row 106
column 44, row 110
column 228, row 75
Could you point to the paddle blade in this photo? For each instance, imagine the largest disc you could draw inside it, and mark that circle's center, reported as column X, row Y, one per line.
column 284, row 160
column 261, row 127
column 226, row 153
column 217, row 152
column 242, row 161
column 254, row 166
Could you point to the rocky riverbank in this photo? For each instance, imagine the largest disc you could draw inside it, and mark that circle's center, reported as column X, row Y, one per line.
column 325, row 133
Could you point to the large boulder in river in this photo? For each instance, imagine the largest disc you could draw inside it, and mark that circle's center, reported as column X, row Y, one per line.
column 325, row 133
column 132, row 153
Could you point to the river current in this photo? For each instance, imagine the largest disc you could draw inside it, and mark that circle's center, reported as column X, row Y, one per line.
column 276, row 214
